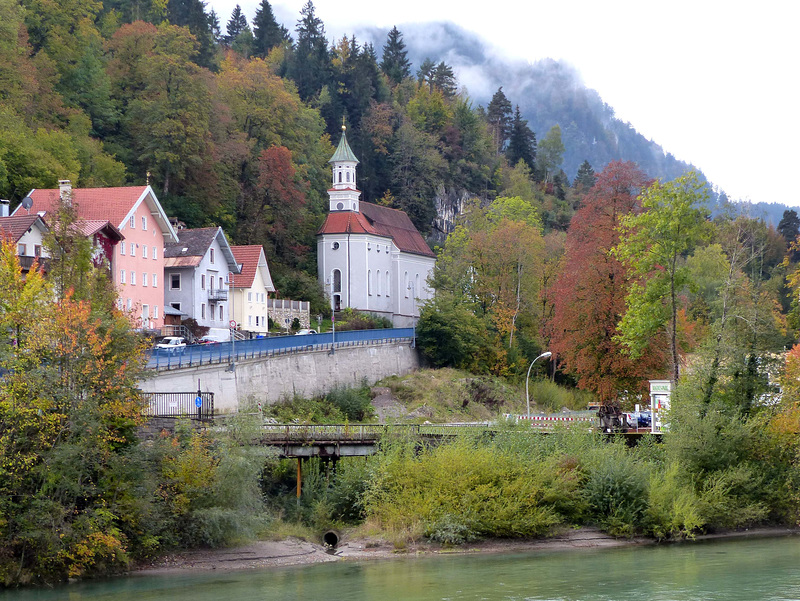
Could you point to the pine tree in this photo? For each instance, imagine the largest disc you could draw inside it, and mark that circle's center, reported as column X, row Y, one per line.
column 266, row 31
column 395, row 63
column 192, row 15
column 443, row 78
column 216, row 28
column 498, row 115
column 521, row 142
column 236, row 25
column 310, row 66
column 425, row 73
column 585, row 178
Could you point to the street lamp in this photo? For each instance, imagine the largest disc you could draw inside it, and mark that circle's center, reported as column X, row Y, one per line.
column 544, row 355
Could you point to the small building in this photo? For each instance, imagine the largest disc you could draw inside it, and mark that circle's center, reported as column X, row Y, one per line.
column 250, row 290
column 197, row 271
column 134, row 252
column 370, row 258
column 27, row 233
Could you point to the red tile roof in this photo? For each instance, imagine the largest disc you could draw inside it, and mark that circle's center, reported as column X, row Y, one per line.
column 396, row 224
column 106, row 204
column 347, row 222
column 15, row 227
column 379, row 221
column 248, row 257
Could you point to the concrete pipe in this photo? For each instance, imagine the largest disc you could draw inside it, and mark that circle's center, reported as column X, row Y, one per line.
column 330, row 539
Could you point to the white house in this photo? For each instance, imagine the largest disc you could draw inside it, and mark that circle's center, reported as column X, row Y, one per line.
column 26, row 232
column 197, row 273
column 370, row 258
column 250, row 290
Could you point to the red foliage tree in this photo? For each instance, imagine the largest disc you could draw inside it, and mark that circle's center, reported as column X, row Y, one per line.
column 589, row 292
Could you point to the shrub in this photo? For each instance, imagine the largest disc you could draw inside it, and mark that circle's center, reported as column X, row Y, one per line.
column 616, row 494
column 552, row 397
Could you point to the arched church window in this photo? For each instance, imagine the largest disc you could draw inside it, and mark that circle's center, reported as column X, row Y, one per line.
column 348, row 176
column 337, row 280
column 388, row 284
column 369, row 282
column 340, row 177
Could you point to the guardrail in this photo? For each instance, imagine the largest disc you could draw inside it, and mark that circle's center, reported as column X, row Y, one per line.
column 362, row 432
column 229, row 352
column 179, row 404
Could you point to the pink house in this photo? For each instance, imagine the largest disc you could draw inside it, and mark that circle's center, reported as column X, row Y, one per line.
column 137, row 261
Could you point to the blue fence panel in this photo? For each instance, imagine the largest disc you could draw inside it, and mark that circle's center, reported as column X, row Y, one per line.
column 222, row 352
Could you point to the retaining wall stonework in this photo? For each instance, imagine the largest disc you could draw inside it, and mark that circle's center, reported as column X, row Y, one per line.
column 267, row 380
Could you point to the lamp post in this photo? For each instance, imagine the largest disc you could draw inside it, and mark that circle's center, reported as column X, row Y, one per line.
column 544, row 355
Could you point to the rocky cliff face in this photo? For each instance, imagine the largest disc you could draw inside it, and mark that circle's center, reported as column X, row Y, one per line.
column 449, row 205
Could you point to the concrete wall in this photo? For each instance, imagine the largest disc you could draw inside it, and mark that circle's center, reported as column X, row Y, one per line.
column 267, row 380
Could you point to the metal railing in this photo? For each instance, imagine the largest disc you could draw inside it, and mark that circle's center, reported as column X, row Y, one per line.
column 224, row 352
column 179, row 404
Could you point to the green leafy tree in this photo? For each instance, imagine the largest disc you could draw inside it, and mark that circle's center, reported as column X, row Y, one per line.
column 654, row 246
column 449, row 334
column 551, row 153
column 192, row 15
column 395, row 63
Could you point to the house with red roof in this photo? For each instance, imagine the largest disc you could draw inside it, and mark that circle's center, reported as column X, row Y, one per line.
column 129, row 229
column 27, row 233
column 370, row 258
column 250, row 290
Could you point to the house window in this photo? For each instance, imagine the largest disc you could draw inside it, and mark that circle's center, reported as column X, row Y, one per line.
column 176, row 306
column 21, row 249
column 121, row 276
column 133, row 278
column 144, row 279
column 221, row 283
column 416, row 286
column 37, row 250
column 221, row 316
column 249, row 297
column 144, row 223
column 155, row 311
column 155, row 255
column 122, row 248
column 144, row 252
column 133, row 249
column 145, row 312
column 203, row 282
column 155, row 280
column 202, row 311
column 405, row 282
column 133, row 222
column 130, row 304
column 250, row 320
column 212, row 256
column 174, row 281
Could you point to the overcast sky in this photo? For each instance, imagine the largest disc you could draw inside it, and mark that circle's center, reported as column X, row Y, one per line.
column 713, row 82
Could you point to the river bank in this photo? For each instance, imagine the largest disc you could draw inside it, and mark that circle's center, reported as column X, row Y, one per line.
column 291, row 552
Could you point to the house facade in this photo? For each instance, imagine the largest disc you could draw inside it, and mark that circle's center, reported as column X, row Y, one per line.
column 198, row 269
column 370, row 258
column 136, row 257
column 27, row 233
column 250, row 290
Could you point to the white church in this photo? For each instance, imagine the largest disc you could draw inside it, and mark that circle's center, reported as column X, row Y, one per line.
column 371, row 258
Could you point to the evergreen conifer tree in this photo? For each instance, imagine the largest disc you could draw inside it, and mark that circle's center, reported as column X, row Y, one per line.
column 498, row 115
column 267, row 32
column 395, row 63
column 236, row 24
column 585, row 178
column 192, row 15
column 521, row 142
column 310, row 66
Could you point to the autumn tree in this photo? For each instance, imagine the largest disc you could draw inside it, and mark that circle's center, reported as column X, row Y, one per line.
column 551, row 153
column 654, row 245
column 590, row 290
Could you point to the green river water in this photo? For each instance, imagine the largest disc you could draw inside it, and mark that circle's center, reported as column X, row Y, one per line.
column 752, row 569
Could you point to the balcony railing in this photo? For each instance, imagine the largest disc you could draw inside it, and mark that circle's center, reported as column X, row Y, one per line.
column 218, row 294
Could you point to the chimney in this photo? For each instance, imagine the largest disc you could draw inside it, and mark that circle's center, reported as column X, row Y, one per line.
column 65, row 187
column 4, row 208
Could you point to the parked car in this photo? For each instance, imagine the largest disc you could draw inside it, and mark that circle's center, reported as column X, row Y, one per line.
column 171, row 345
column 208, row 339
column 305, row 332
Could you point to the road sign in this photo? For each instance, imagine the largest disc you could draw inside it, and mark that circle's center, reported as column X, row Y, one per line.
column 232, row 323
column 198, row 402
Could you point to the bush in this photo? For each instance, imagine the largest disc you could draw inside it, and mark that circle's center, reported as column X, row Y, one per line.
column 616, row 494
column 552, row 397
column 353, row 403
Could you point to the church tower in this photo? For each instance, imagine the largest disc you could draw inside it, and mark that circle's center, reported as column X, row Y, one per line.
column 343, row 194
